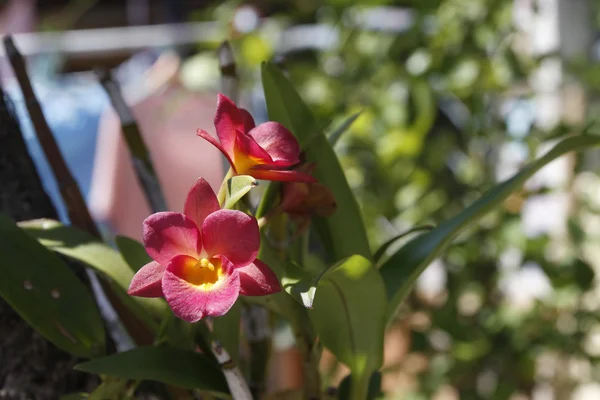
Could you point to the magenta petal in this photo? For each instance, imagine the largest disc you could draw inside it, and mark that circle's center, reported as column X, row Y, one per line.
column 147, row 281
column 169, row 234
column 206, row 136
column 247, row 120
column 191, row 303
column 281, row 145
column 283, row 176
column 228, row 120
column 257, row 279
column 232, row 234
column 246, row 145
column 200, row 202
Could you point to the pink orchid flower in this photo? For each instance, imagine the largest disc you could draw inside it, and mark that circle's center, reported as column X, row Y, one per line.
column 264, row 151
column 203, row 259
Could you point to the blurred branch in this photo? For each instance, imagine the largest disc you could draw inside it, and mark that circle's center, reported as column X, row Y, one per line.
column 76, row 207
column 77, row 210
column 142, row 162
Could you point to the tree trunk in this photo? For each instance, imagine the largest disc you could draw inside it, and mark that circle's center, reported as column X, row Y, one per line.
column 30, row 366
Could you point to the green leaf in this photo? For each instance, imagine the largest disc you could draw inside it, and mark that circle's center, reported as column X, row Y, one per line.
column 172, row 366
column 335, row 134
column 300, row 284
column 343, row 234
column 42, row 289
column 402, row 269
column 384, row 247
column 348, row 315
column 81, row 246
column 133, row 252
column 227, row 330
column 237, row 187
column 583, row 274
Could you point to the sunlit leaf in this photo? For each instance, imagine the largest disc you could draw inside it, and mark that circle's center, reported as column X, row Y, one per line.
column 348, row 315
column 237, row 187
column 343, row 234
column 42, row 289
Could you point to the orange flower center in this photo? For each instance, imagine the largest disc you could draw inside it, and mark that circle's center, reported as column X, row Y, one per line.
column 243, row 162
column 204, row 273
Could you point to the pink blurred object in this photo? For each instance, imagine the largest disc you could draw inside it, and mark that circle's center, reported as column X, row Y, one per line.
column 168, row 118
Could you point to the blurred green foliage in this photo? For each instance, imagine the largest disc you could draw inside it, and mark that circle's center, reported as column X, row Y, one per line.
column 427, row 142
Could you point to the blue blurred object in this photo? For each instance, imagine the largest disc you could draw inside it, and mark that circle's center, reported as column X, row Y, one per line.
column 72, row 104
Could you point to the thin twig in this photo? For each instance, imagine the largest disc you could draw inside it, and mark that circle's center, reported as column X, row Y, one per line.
column 76, row 207
column 142, row 162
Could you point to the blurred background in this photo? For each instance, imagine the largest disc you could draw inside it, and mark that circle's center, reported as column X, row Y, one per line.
column 454, row 95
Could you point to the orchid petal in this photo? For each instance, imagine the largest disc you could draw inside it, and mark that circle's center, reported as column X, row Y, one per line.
column 249, row 149
column 169, row 234
column 278, row 142
column 257, row 279
column 208, row 137
column 200, row 202
column 192, row 302
column 232, row 234
column 247, row 120
column 229, row 119
column 147, row 281
column 284, row 176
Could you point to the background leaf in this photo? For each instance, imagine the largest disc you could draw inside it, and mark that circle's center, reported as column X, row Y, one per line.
column 343, row 233
column 402, row 269
column 172, row 366
column 83, row 247
column 42, row 289
column 348, row 315
column 336, row 133
column 133, row 252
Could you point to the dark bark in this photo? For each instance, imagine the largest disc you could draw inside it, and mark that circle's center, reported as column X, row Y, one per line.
column 30, row 366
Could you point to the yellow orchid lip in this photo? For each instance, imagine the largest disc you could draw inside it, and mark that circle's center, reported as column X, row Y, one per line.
column 204, row 273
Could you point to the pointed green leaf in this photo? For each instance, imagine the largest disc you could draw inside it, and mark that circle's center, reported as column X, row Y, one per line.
column 172, row 366
column 42, row 289
column 384, row 247
column 348, row 315
column 335, row 134
column 81, row 246
column 237, row 187
column 343, row 234
column 402, row 269
column 133, row 252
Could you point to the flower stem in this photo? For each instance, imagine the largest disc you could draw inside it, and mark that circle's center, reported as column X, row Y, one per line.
column 222, row 195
